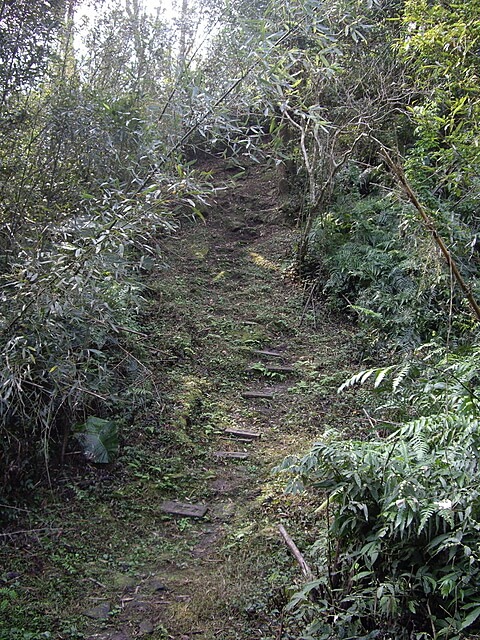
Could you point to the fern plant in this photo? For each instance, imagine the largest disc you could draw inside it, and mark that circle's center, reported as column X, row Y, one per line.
column 374, row 259
column 401, row 555
column 430, row 379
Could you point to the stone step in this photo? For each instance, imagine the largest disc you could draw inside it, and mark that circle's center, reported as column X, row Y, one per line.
column 235, row 455
column 274, row 368
column 244, row 435
column 268, row 354
column 266, row 393
column 185, row 510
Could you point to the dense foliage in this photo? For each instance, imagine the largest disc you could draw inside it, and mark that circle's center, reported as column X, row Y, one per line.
column 397, row 554
column 86, row 195
column 403, row 554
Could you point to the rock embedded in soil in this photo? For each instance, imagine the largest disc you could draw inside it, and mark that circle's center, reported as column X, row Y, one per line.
column 235, row 455
column 243, row 435
column 156, row 585
column 185, row 510
column 100, row 612
column 138, row 604
column 146, row 628
column 268, row 354
column 258, row 394
column 124, row 581
column 278, row 368
column 110, row 635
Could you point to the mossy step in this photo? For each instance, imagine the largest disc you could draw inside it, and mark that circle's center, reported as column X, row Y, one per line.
column 235, row 455
column 183, row 509
column 244, row 435
column 274, row 368
column 266, row 393
column 267, row 353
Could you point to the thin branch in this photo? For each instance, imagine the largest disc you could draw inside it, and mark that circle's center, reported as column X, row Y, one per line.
column 8, row 506
column 430, row 225
column 30, row 531
column 219, row 101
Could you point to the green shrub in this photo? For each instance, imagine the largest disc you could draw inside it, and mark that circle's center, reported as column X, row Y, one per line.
column 398, row 554
column 71, row 300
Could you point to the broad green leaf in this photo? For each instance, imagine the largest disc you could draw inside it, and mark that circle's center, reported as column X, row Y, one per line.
column 470, row 619
column 99, row 440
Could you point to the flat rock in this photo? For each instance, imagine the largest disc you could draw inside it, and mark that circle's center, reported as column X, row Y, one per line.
column 235, row 455
column 124, row 581
column 100, row 612
column 183, row 509
column 137, row 604
column 110, row 635
column 280, row 368
column 266, row 393
column 156, row 585
column 146, row 628
column 242, row 435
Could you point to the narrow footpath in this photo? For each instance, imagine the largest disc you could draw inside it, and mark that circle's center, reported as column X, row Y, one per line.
column 256, row 381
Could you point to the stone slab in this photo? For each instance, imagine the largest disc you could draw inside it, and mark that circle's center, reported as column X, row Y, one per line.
column 258, row 394
column 183, row 509
column 235, row 455
column 268, row 354
column 273, row 368
column 146, row 628
column 244, row 435
column 100, row 612
column 280, row 368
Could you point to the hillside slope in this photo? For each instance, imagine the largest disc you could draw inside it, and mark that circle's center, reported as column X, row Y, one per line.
column 103, row 557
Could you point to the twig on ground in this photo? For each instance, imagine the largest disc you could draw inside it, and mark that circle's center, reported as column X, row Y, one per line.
column 307, row 303
column 30, row 531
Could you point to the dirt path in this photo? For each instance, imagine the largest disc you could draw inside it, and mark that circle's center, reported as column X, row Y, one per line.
column 232, row 298
column 120, row 566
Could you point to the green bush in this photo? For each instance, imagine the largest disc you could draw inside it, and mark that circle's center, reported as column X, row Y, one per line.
column 398, row 553
column 70, row 310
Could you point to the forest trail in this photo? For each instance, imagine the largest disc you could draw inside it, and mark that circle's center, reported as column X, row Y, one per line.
column 121, row 567
column 246, row 329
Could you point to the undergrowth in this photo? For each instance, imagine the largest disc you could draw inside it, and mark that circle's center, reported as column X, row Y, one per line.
column 373, row 258
column 70, row 340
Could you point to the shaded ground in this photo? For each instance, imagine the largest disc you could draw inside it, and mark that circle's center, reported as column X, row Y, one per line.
column 99, row 558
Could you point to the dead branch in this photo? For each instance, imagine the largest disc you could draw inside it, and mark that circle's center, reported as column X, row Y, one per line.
column 307, row 572
column 430, row 226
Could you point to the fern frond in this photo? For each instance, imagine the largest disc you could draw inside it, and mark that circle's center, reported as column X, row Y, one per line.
column 362, row 376
column 425, row 514
column 400, row 377
column 358, row 378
